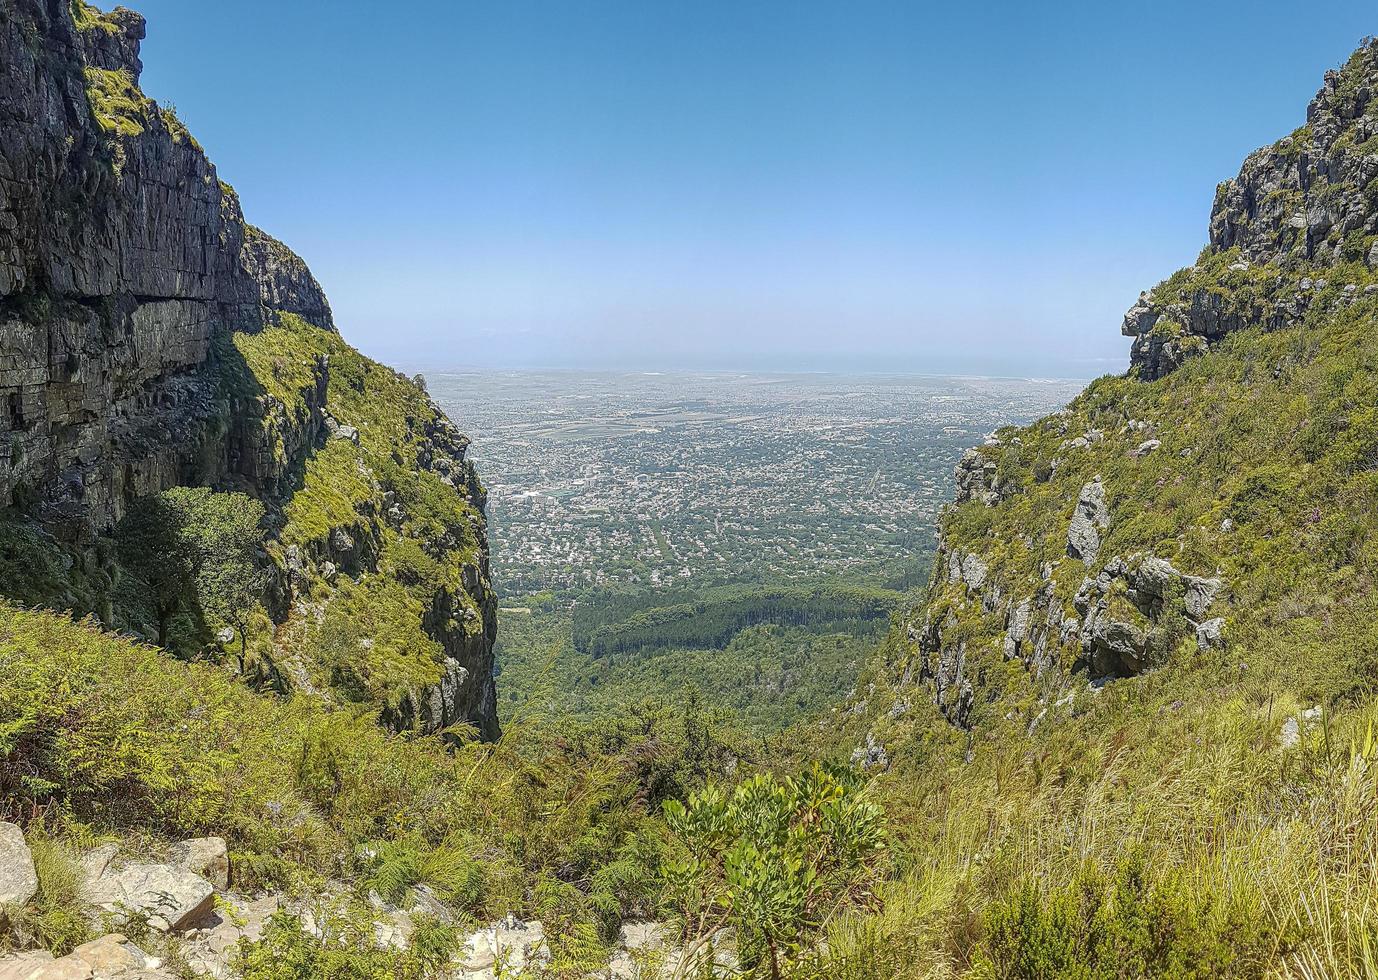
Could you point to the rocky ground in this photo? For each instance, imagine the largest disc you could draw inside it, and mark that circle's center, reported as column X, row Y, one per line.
column 183, row 903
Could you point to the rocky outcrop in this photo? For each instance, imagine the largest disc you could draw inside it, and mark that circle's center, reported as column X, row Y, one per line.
column 169, row 897
column 1119, row 621
column 111, row 957
column 1296, row 207
column 976, row 479
column 207, row 924
column 943, row 668
column 18, row 880
column 1091, row 517
column 120, row 263
column 206, row 857
column 127, row 271
column 284, row 281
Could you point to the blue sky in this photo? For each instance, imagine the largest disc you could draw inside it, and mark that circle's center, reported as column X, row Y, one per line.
column 737, row 184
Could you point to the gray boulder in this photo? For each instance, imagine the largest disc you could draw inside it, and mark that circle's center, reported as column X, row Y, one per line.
column 171, row 897
column 1118, row 647
column 1091, row 517
column 18, row 880
column 1211, row 634
column 639, row 944
column 111, row 957
column 1155, row 576
column 204, row 856
column 872, row 755
column 974, row 572
column 1200, row 594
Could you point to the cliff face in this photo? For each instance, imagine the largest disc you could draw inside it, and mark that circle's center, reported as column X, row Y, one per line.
column 1213, row 510
column 141, row 329
column 119, row 261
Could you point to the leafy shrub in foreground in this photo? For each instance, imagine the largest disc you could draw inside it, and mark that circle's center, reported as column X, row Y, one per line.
column 345, row 949
column 774, row 859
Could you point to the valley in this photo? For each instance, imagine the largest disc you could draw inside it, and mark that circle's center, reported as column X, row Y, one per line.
column 644, row 492
column 310, row 668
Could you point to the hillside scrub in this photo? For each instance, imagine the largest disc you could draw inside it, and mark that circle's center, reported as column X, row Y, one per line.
column 1205, row 809
column 386, row 497
column 104, row 737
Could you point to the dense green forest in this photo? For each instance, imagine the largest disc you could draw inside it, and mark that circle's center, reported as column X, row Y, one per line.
column 763, row 656
column 616, row 623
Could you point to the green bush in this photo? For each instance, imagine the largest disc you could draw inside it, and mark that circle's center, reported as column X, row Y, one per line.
column 55, row 919
column 774, row 859
column 101, row 736
column 197, row 556
column 1127, row 925
column 344, row 947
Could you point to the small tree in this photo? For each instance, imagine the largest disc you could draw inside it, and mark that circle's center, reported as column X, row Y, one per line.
column 224, row 532
column 776, row 859
column 197, row 551
column 148, row 548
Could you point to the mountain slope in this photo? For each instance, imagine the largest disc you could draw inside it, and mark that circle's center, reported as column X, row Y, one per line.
column 150, row 338
column 1216, row 503
column 1128, row 732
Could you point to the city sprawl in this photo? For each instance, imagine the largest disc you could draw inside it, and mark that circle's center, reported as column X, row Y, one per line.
column 652, row 480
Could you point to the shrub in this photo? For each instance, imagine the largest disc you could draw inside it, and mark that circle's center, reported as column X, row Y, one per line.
column 1128, row 924
column 197, row 554
column 775, row 859
column 55, row 918
column 344, row 946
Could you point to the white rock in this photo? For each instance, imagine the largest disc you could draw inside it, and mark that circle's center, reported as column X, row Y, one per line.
column 18, row 880
column 1290, row 734
column 96, row 861
column 113, row 955
column 511, row 942
column 42, row 966
column 204, row 856
column 171, row 897
column 210, row 949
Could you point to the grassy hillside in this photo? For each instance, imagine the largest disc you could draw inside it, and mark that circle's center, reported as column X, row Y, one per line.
column 1129, row 730
column 411, row 537
column 104, row 738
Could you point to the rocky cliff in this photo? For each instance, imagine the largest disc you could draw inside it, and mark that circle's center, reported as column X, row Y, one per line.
column 1307, row 202
column 1212, row 510
column 150, row 338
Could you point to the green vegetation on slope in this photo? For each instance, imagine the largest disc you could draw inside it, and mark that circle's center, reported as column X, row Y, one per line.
column 1211, row 814
column 410, row 531
column 101, row 736
column 1265, row 477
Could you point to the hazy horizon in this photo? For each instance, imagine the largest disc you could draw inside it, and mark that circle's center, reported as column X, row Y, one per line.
column 412, row 365
column 761, row 185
